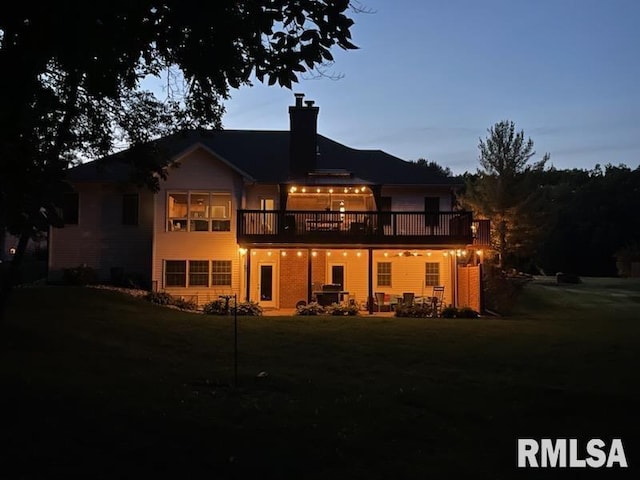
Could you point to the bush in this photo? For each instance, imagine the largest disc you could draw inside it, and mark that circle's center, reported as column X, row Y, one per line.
column 463, row 312
column 414, row 311
column 185, row 304
column 342, row 309
column 467, row 312
column 248, row 308
column 449, row 312
column 160, row 298
column 82, row 275
column 313, row 308
column 501, row 289
column 218, row 307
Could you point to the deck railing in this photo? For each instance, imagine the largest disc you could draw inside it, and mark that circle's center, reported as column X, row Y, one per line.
column 356, row 227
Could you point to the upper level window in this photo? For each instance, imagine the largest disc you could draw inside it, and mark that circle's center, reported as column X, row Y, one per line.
column 198, row 212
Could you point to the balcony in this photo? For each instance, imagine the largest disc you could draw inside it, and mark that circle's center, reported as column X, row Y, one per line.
column 256, row 227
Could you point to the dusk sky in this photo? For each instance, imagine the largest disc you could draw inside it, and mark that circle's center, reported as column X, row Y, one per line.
column 431, row 77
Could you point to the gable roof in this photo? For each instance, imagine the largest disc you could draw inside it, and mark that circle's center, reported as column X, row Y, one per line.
column 263, row 156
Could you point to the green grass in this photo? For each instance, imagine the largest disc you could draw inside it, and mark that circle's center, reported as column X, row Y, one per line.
column 103, row 385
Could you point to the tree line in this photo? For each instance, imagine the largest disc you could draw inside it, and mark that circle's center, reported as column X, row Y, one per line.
column 547, row 220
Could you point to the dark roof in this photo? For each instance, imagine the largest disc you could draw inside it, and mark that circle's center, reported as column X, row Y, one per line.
column 263, row 156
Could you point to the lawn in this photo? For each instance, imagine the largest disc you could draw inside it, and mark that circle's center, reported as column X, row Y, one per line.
column 102, row 385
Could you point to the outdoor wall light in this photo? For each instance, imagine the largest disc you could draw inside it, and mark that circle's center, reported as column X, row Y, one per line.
column 299, row 253
column 284, row 254
column 242, row 251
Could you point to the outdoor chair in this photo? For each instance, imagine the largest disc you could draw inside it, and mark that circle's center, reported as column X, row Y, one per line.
column 379, row 300
column 407, row 298
column 437, row 298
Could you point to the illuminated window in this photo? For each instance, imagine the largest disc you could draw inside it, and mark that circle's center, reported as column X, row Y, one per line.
column 177, row 209
column 221, row 212
column 198, row 212
column 384, row 274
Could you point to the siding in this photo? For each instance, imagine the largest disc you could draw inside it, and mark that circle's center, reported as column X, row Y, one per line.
column 100, row 240
column 255, row 192
column 408, row 273
column 411, row 199
column 199, row 171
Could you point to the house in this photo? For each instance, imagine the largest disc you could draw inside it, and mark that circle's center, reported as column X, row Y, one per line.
column 277, row 217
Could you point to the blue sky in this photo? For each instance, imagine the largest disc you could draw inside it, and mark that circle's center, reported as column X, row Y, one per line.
column 431, row 77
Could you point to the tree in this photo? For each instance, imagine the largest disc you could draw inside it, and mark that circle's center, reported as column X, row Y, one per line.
column 434, row 168
column 72, row 76
column 504, row 190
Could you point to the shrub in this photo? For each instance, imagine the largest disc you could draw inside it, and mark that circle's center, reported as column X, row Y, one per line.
column 248, row 308
column 449, row 312
column 313, row 308
column 501, row 289
column 185, row 304
column 160, row 298
column 414, row 311
column 82, row 275
column 467, row 312
column 217, row 307
column 462, row 312
column 338, row 309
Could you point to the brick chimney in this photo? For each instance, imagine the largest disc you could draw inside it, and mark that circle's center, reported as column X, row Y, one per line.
column 303, row 132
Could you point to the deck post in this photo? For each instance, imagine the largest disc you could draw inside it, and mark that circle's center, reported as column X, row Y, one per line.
column 309, row 277
column 370, row 300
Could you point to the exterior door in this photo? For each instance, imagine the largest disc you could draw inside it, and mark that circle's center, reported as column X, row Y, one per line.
column 267, row 221
column 267, row 285
column 337, row 277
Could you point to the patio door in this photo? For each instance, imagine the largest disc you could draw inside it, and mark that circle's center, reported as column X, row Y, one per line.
column 336, row 274
column 267, row 284
column 337, row 277
column 267, row 219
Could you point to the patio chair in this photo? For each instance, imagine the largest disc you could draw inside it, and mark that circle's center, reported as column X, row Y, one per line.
column 379, row 300
column 407, row 298
column 437, row 298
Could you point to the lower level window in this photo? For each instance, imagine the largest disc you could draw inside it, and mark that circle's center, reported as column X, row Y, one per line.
column 197, row 273
column 175, row 273
column 221, row 273
column 432, row 274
